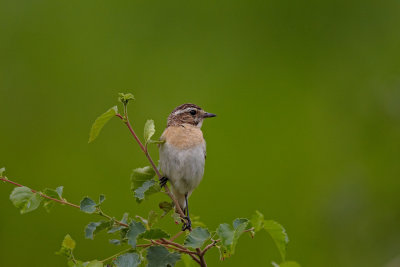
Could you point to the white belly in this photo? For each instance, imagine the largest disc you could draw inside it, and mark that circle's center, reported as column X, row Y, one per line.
column 183, row 167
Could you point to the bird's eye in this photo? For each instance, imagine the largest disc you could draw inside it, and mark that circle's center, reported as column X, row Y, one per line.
column 193, row 112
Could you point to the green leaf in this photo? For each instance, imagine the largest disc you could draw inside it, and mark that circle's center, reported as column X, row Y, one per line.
column 100, row 122
column 24, row 199
column 229, row 236
column 159, row 256
column 95, row 263
column 257, row 221
column 143, row 184
column 2, row 170
column 95, row 227
column 286, row 264
column 197, row 237
column 68, row 242
column 278, row 234
column 135, row 229
column 187, row 260
column 149, row 130
column 141, row 191
column 88, row 205
column 154, row 234
column 116, row 228
column 166, row 207
column 67, row 246
column 128, row 260
column 125, row 98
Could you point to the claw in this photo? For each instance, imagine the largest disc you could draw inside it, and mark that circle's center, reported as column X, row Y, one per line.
column 163, row 181
column 187, row 225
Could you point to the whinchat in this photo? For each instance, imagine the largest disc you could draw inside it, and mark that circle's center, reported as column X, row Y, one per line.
column 183, row 153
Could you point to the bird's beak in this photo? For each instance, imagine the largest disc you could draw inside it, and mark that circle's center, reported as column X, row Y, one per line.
column 209, row 115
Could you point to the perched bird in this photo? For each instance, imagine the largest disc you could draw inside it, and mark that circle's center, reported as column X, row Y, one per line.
column 183, row 153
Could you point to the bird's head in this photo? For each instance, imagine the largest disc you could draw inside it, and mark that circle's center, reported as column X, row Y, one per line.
column 188, row 114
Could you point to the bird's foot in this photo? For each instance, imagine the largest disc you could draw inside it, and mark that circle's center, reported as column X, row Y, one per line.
column 163, row 181
column 187, row 224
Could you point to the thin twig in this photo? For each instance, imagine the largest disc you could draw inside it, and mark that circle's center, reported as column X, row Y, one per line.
column 63, row 201
column 209, row 246
column 176, row 236
column 116, row 255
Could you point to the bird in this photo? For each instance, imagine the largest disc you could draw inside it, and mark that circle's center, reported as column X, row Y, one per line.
column 182, row 154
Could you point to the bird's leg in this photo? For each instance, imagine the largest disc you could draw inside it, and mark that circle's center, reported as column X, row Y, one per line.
column 163, row 181
column 188, row 224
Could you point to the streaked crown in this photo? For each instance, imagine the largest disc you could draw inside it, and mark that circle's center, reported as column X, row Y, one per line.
column 188, row 114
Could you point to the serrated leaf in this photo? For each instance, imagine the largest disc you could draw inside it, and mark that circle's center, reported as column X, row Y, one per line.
column 154, row 234
column 128, row 260
column 125, row 98
column 187, row 260
column 286, row 264
column 229, row 236
column 68, row 242
column 149, row 130
column 94, row 227
column 142, row 183
column 257, row 221
column 135, row 229
column 67, row 246
column 116, row 228
column 88, row 205
column 197, row 237
column 24, row 199
column 100, row 122
column 2, row 170
column 166, row 207
column 278, row 234
column 159, row 256
column 95, row 263
column 141, row 191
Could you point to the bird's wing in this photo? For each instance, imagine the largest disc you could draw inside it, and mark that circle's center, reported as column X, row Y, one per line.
column 204, row 150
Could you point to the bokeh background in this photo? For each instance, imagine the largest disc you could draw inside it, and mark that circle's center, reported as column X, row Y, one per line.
column 308, row 129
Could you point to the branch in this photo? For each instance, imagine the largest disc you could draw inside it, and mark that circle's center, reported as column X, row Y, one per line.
column 201, row 256
column 127, row 123
column 64, row 201
column 209, row 246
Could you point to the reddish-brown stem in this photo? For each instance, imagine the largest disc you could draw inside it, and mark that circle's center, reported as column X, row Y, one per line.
column 62, row 201
column 209, row 246
column 126, row 121
column 201, row 257
column 176, row 236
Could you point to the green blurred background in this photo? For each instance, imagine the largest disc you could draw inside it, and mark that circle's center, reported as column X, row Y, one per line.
column 308, row 129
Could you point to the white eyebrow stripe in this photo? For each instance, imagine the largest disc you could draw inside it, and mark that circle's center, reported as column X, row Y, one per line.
column 182, row 111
